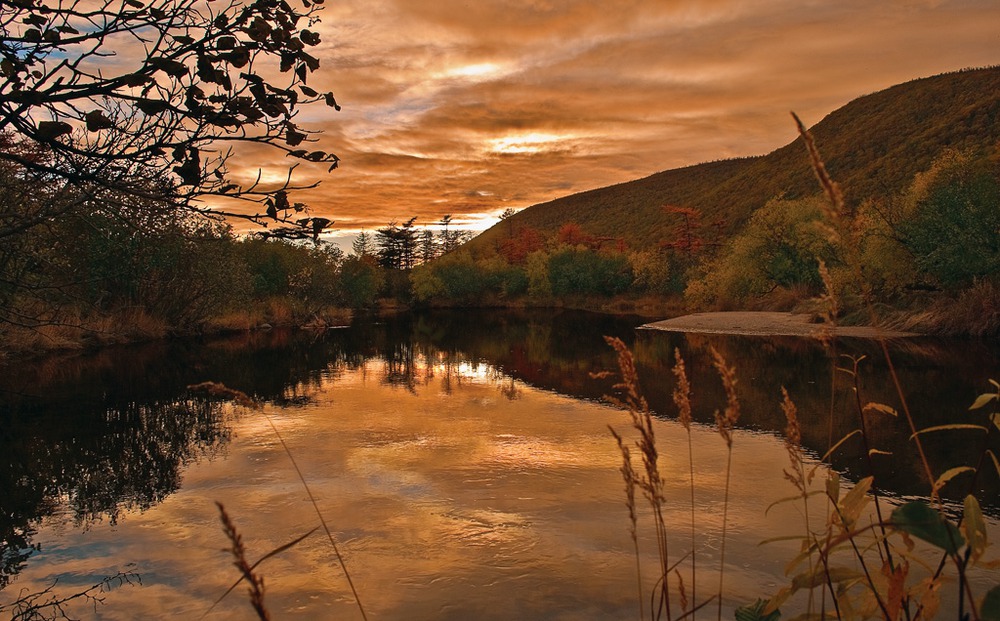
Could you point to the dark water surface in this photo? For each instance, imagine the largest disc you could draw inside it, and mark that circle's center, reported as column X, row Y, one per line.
column 462, row 461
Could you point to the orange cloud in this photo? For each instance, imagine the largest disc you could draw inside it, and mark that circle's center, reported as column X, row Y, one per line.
column 470, row 108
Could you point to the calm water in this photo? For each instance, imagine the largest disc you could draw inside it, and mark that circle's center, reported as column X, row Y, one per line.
column 463, row 463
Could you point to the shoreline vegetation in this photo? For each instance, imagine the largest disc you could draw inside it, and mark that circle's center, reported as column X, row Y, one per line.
column 916, row 253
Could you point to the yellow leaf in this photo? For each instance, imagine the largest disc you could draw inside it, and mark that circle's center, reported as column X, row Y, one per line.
column 880, row 407
column 854, row 501
column 982, row 400
column 974, row 527
column 949, row 475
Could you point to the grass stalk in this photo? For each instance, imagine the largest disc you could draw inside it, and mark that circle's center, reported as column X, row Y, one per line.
column 725, row 422
column 682, row 399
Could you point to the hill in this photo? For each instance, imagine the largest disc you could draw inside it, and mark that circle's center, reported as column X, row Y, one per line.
column 873, row 146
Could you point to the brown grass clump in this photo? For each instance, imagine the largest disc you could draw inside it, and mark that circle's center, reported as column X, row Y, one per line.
column 256, row 581
column 649, row 481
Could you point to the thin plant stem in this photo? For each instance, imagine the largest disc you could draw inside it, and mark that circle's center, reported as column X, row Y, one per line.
column 322, row 520
column 725, row 516
column 682, row 399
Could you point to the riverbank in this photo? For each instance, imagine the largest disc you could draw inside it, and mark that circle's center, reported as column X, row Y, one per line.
column 767, row 324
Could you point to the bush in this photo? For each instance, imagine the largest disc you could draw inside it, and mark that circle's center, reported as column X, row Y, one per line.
column 581, row 271
column 954, row 219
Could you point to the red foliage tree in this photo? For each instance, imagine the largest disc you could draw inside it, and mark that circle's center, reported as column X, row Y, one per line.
column 517, row 247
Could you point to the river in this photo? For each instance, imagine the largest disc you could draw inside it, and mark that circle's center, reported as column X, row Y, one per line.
column 462, row 462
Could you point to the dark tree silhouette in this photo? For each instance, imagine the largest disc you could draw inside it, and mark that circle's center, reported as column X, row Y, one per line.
column 110, row 94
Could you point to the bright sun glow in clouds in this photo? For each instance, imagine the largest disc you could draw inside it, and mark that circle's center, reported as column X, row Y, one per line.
column 477, row 71
column 525, row 143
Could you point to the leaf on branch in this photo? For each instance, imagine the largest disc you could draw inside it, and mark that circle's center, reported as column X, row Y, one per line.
column 67, row 29
column 239, row 57
column 259, row 30
column 50, row 130
column 136, row 79
column 35, row 20
column 318, row 224
column 974, row 527
column 982, row 400
column 308, row 92
column 184, row 39
column 190, row 170
column 951, row 427
column 881, row 408
column 949, row 475
column 172, row 68
column 309, row 37
column 990, row 610
column 294, row 138
column 227, row 42
column 311, row 61
column 331, row 102
column 756, row 612
column 97, row 121
column 922, row 521
column 135, row 4
column 854, row 501
column 151, row 107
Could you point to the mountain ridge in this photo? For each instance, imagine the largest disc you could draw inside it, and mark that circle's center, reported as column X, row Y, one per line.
column 873, row 146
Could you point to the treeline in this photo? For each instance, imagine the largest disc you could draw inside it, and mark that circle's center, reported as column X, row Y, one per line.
column 123, row 269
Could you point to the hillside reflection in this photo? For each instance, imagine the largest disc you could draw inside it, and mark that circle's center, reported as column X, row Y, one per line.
column 88, row 438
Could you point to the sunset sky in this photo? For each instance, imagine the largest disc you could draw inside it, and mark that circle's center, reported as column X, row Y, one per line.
column 469, row 107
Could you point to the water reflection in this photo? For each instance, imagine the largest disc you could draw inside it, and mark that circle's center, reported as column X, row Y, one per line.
column 444, row 450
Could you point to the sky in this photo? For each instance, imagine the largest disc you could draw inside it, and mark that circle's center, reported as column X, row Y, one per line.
column 470, row 107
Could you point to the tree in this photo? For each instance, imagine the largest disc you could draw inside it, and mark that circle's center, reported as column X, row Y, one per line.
column 188, row 81
column 516, row 249
column 429, row 247
column 363, row 246
column 687, row 240
column 397, row 245
column 953, row 225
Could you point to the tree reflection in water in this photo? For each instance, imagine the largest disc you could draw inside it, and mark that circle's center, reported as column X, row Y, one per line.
column 94, row 467
column 90, row 438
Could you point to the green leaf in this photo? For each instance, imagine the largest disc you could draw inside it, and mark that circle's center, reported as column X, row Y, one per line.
column 922, row 521
column 991, row 605
column 755, row 612
column 982, row 400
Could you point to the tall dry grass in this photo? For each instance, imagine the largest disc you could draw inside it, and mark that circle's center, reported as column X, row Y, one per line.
column 860, row 561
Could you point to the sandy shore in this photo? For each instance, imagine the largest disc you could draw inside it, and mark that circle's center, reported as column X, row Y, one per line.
column 763, row 324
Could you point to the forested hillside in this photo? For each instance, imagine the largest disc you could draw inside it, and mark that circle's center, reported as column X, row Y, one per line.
column 873, row 147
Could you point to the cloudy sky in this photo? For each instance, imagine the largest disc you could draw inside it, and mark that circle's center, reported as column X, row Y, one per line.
column 470, row 107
